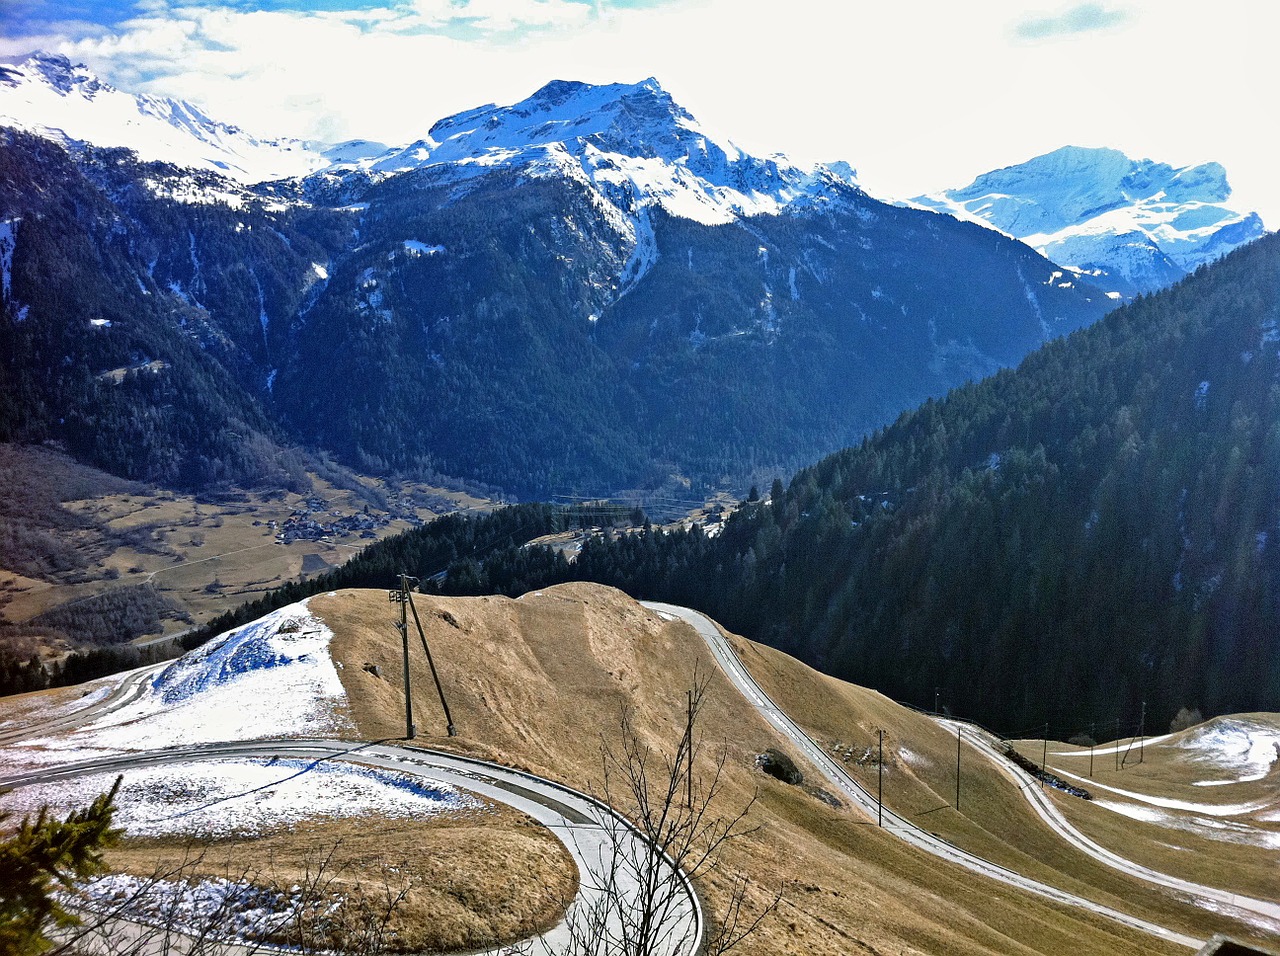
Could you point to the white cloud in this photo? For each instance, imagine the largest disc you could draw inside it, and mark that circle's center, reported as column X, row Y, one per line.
column 917, row 95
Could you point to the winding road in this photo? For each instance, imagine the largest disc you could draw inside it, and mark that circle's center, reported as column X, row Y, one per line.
column 595, row 836
column 860, row 797
column 133, row 684
column 590, row 831
column 1241, row 906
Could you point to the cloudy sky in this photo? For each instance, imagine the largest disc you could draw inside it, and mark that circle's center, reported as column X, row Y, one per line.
column 916, row 94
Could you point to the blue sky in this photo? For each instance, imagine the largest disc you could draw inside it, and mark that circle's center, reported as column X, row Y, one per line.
column 916, row 94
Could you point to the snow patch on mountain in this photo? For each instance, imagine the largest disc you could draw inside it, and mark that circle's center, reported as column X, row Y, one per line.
column 8, row 242
column 1138, row 223
column 631, row 142
column 271, row 678
column 50, row 96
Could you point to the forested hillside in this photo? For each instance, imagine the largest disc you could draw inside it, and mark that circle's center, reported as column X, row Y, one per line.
column 130, row 326
column 1057, row 543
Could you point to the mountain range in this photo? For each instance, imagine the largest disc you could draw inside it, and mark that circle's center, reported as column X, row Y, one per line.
column 585, row 292
column 581, row 291
column 48, row 95
column 1130, row 226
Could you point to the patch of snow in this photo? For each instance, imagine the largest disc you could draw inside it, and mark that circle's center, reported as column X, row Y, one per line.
column 320, row 271
column 413, row 247
column 221, row 909
column 1121, row 746
column 913, row 758
column 1132, row 810
column 90, row 694
column 1246, row 749
column 8, row 242
column 247, row 797
column 271, row 678
column 1208, row 809
column 1223, row 831
column 1202, row 394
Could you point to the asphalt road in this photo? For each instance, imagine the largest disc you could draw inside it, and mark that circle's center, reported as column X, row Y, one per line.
column 131, row 686
column 835, row 773
column 1244, row 907
column 594, row 835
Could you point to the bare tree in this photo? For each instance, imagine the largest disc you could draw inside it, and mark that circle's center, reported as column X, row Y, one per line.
column 644, row 902
column 180, row 909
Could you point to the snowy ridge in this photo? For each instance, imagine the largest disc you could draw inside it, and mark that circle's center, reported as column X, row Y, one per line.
column 48, row 95
column 271, row 678
column 1143, row 224
column 631, row 142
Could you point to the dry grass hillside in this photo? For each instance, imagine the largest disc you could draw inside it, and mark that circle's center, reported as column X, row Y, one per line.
column 540, row 682
column 1203, row 803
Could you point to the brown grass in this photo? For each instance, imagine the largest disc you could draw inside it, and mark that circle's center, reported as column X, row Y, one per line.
column 539, row 683
column 474, row 880
column 1222, row 851
column 995, row 819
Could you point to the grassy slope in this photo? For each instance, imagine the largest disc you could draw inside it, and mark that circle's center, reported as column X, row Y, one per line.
column 1236, row 848
column 996, row 820
column 539, row 682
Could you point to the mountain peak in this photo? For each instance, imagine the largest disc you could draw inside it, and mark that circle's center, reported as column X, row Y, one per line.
column 54, row 69
column 47, row 94
column 1143, row 223
column 631, row 141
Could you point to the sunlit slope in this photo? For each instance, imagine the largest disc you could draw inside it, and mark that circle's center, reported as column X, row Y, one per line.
column 541, row 681
column 1203, row 803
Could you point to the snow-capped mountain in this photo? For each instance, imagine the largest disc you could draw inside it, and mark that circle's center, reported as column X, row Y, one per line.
column 631, row 142
column 48, row 95
column 584, row 290
column 1133, row 225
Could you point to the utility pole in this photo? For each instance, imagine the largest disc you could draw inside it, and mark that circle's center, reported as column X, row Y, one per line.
column 935, row 702
column 957, row 766
column 1044, row 758
column 1117, row 744
column 401, row 597
column 688, row 730
column 1092, row 744
column 1142, row 731
column 880, row 794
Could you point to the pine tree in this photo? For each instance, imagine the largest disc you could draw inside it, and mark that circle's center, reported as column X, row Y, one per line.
column 42, row 855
